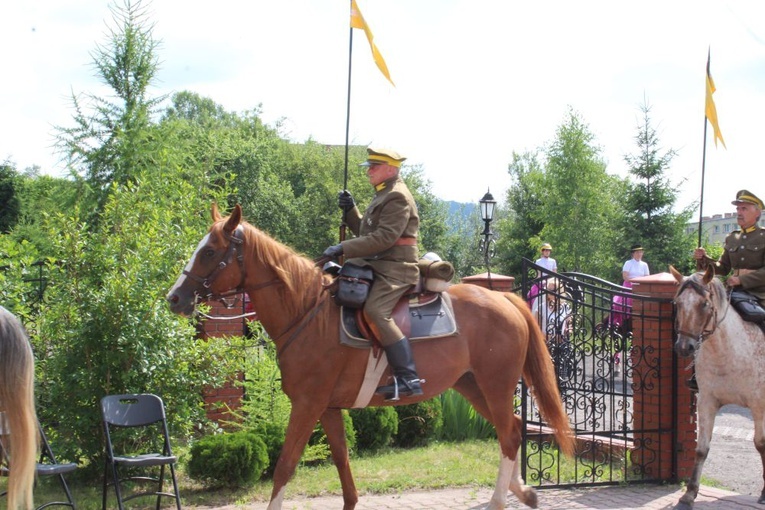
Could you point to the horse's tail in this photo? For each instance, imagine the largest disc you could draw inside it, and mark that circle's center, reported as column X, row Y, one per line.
column 539, row 374
column 18, row 403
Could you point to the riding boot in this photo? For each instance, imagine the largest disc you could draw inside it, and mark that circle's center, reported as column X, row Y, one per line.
column 406, row 382
column 691, row 383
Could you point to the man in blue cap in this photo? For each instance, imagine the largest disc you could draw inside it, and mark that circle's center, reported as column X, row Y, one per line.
column 386, row 241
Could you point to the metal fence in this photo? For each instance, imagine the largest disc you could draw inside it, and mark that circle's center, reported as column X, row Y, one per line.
column 601, row 366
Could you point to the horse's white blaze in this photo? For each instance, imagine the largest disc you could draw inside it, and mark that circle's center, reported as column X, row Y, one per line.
column 276, row 503
column 504, row 478
column 190, row 263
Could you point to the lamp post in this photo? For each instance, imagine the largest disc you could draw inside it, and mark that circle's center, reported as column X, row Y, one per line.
column 486, row 244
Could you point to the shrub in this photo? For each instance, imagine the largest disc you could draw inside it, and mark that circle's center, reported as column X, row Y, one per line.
column 418, row 423
column 375, row 426
column 272, row 435
column 461, row 421
column 228, row 460
column 318, row 450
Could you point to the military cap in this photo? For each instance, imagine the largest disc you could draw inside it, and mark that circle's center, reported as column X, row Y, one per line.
column 545, row 246
column 636, row 247
column 747, row 197
column 383, row 156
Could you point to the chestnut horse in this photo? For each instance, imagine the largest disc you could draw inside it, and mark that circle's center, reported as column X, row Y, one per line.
column 730, row 363
column 17, row 403
column 498, row 341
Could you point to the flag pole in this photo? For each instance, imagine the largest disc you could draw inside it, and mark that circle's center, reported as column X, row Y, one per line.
column 348, row 102
column 347, row 124
column 703, row 167
column 704, row 145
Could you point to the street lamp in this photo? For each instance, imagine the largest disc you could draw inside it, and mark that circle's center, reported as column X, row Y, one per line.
column 486, row 245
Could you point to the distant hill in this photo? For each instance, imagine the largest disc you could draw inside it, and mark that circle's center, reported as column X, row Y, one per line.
column 466, row 210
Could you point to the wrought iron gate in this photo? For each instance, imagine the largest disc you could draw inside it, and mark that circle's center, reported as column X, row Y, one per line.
column 605, row 375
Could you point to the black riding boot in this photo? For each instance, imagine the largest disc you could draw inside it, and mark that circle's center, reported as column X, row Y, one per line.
column 406, row 382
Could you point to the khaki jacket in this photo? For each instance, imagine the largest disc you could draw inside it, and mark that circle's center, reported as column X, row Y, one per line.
column 743, row 251
column 391, row 215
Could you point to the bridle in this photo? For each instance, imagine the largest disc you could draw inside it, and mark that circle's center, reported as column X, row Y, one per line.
column 234, row 250
column 706, row 330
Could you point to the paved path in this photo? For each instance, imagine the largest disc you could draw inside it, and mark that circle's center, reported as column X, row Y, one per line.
column 650, row 497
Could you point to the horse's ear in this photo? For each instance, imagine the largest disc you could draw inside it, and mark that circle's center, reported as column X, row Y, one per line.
column 709, row 274
column 233, row 220
column 215, row 213
column 676, row 274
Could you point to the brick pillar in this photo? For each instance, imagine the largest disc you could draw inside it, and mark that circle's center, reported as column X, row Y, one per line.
column 497, row 282
column 660, row 402
column 219, row 400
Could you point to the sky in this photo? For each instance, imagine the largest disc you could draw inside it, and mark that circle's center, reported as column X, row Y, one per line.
column 475, row 80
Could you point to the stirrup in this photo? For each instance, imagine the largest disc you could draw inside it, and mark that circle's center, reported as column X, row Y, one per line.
column 409, row 391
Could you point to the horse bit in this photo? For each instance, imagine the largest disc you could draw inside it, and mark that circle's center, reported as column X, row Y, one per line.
column 234, row 250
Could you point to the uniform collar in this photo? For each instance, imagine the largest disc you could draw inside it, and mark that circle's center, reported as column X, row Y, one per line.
column 385, row 184
column 749, row 230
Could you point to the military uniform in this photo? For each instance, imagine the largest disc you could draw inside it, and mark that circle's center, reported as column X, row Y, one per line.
column 743, row 251
column 387, row 241
column 744, row 254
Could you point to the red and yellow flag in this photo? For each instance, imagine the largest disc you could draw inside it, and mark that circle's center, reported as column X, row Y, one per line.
column 357, row 21
column 710, row 109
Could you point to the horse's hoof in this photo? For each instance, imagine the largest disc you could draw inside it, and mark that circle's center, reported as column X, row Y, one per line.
column 682, row 505
column 530, row 499
column 761, row 499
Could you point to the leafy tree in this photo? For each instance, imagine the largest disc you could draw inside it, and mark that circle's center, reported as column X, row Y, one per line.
column 106, row 328
column 432, row 211
column 580, row 206
column 106, row 141
column 649, row 218
column 462, row 242
column 520, row 229
column 9, row 213
column 39, row 196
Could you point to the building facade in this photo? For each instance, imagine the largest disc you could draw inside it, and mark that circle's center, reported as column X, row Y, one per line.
column 715, row 228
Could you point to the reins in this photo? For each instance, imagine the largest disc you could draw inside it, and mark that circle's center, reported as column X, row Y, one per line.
column 705, row 332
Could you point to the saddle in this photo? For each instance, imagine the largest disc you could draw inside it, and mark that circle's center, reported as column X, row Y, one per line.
column 418, row 315
column 425, row 312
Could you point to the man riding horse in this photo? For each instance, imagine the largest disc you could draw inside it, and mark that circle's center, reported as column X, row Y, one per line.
column 387, row 242
column 743, row 253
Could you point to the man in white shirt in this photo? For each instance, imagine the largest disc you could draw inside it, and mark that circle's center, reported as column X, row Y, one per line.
column 545, row 260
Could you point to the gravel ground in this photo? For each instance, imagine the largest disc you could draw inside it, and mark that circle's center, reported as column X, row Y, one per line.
column 733, row 460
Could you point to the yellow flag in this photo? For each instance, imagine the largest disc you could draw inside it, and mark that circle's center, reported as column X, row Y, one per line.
column 711, row 110
column 357, row 21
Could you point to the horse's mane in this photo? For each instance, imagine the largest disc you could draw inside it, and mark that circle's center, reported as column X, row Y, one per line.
column 298, row 273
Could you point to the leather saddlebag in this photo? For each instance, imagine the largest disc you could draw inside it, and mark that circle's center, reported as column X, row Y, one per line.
column 353, row 283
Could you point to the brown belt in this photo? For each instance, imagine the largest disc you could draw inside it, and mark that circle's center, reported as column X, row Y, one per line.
column 406, row 241
column 741, row 272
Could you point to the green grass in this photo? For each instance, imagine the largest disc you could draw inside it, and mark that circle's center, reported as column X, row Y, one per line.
column 440, row 465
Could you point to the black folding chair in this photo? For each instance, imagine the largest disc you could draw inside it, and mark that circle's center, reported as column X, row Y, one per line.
column 47, row 466
column 137, row 411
